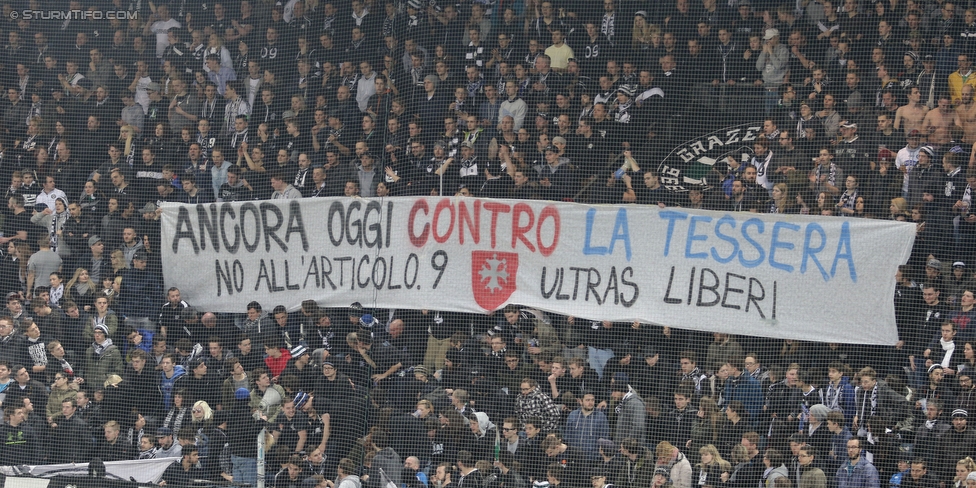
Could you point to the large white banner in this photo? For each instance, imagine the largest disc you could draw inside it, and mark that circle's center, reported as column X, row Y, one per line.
column 783, row 276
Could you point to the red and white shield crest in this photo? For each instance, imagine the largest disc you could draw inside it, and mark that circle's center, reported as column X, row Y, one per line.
column 493, row 277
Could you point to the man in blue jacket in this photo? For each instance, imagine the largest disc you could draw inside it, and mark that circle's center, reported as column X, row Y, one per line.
column 743, row 387
column 857, row 472
column 141, row 292
column 585, row 426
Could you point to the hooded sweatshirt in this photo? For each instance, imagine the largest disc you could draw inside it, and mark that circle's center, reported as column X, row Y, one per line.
column 389, row 462
column 168, row 385
column 582, row 431
column 484, row 424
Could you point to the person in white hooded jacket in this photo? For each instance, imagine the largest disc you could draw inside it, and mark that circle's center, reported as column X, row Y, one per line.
column 482, row 439
column 669, row 456
column 344, row 475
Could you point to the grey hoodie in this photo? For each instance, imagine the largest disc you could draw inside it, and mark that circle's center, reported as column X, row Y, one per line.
column 389, row 463
column 484, row 425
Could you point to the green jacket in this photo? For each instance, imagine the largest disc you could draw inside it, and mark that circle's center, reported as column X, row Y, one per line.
column 99, row 366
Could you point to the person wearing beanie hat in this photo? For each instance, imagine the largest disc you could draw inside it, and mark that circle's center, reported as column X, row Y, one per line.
column 367, row 321
column 201, row 384
column 960, row 436
column 923, row 175
column 853, row 153
column 773, row 63
column 607, row 446
column 298, row 366
column 102, row 358
column 818, row 415
column 956, row 282
column 298, row 351
column 419, row 384
column 625, row 102
column 935, row 388
column 818, row 434
column 332, row 383
column 434, row 102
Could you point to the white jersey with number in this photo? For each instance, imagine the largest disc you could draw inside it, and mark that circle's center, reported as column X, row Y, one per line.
column 905, row 160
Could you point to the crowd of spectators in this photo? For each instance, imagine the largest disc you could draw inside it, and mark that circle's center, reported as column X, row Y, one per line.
column 867, row 111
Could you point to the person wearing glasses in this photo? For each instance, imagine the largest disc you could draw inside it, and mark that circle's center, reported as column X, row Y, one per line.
column 62, row 389
column 966, row 395
column 810, row 475
column 857, row 472
column 332, row 383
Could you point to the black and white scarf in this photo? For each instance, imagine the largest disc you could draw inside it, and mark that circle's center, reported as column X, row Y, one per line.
column 831, row 173
column 99, row 349
column 832, row 397
column 238, row 138
column 607, row 26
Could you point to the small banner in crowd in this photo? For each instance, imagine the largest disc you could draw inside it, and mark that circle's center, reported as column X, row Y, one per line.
column 139, row 470
column 783, row 276
column 689, row 164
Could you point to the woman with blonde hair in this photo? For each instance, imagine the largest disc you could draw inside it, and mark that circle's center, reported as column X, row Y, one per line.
column 35, row 131
column 899, row 209
column 642, row 31
column 712, row 470
column 201, row 416
column 424, row 409
column 118, row 261
column 655, row 37
column 781, row 203
column 740, row 456
column 964, row 467
column 215, row 45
